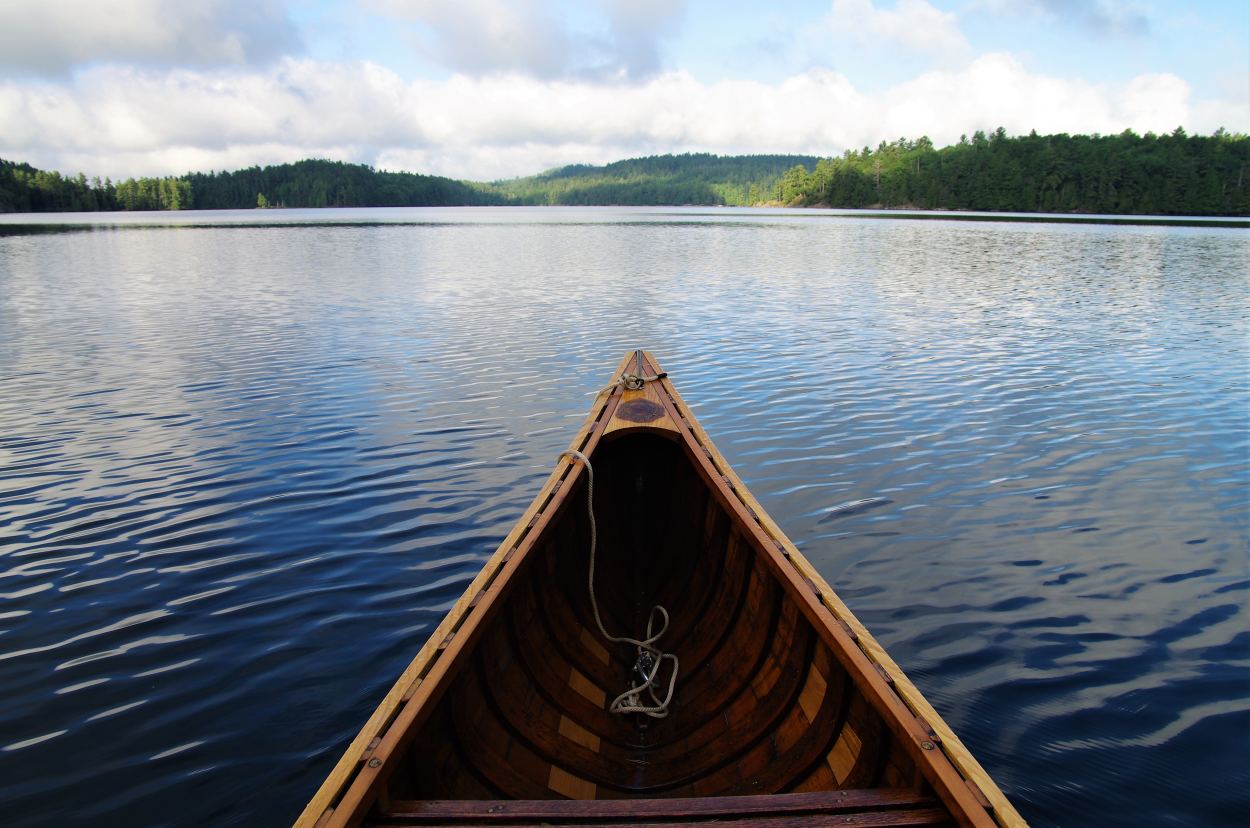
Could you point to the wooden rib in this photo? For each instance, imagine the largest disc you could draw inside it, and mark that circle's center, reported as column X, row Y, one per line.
column 549, row 622
column 536, row 722
column 571, row 730
column 492, row 746
column 697, row 618
column 686, row 758
column 734, row 575
column 839, row 696
column 715, row 687
column 861, row 748
column 586, row 688
column 705, row 761
column 550, row 677
column 445, row 773
column 732, row 641
column 812, row 696
column 545, row 732
column 794, row 747
column 592, row 645
column 566, row 784
column 703, row 449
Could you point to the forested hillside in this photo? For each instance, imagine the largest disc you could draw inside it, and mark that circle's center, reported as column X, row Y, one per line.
column 24, row 189
column 693, row 178
column 329, row 184
column 1174, row 174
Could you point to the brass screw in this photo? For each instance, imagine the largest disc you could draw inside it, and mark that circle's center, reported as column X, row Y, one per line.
column 375, row 762
column 927, row 745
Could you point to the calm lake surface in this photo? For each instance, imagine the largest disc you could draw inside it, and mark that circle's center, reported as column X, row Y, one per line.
column 248, row 461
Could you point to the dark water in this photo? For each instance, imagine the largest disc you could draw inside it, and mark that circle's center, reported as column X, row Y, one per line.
column 245, row 470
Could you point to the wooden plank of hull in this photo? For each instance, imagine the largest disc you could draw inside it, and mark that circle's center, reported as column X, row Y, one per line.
column 526, row 718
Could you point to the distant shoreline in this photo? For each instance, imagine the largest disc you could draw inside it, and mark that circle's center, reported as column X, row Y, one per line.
column 938, row 214
column 21, row 223
column 1180, row 175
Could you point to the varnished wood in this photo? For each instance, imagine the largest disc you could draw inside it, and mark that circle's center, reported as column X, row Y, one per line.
column 782, row 693
column 557, row 810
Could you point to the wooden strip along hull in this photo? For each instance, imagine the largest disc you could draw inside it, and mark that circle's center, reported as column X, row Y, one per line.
column 787, row 711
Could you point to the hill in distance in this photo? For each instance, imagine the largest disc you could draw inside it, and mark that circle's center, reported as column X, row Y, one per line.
column 692, row 178
column 1175, row 174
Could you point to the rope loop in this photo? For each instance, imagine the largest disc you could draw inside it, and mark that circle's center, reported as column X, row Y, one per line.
column 631, row 382
column 631, row 701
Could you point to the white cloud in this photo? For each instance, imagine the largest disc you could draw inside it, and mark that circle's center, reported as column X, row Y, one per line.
column 124, row 121
column 485, row 36
column 912, row 24
column 54, row 36
column 636, row 29
column 482, row 37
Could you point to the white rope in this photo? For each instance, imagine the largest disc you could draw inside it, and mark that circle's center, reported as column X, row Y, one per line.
column 631, row 700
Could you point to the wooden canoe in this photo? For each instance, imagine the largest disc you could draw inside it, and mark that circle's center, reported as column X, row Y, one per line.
column 786, row 711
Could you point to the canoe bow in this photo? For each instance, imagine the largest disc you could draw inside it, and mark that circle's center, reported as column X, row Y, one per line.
column 358, row 783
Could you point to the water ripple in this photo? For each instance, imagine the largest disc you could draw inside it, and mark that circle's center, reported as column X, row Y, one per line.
column 243, row 473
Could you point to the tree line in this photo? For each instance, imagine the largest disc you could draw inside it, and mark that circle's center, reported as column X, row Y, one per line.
column 311, row 183
column 1175, row 174
column 24, row 189
column 690, row 178
column 317, row 183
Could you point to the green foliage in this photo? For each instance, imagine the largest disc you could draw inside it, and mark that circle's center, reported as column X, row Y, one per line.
column 1174, row 174
column 303, row 184
column 24, row 189
column 692, row 178
column 151, row 194
column 317, row 183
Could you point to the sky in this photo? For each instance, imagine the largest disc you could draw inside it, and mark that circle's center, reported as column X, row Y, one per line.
column 492, row 89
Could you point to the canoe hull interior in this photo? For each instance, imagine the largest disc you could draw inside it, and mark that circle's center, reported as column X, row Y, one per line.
column 786, row 710
column 761, row 705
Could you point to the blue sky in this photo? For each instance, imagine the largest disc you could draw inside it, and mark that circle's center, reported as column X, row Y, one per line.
column 489, row 89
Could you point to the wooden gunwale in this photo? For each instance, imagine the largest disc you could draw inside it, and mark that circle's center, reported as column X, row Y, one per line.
column 890, row 685
column 373, row 751
column 912, row 731
column 958, row 780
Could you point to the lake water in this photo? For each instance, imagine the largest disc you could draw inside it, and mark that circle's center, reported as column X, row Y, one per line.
column 248, row 461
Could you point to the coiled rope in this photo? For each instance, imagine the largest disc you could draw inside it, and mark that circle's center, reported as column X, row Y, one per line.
column 633, row 381
column 650, row 657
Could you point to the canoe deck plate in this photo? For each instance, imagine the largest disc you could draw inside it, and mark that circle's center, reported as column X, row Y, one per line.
column 640, row 411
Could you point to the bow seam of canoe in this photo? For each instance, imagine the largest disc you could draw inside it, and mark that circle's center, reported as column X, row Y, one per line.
column 955, row 774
